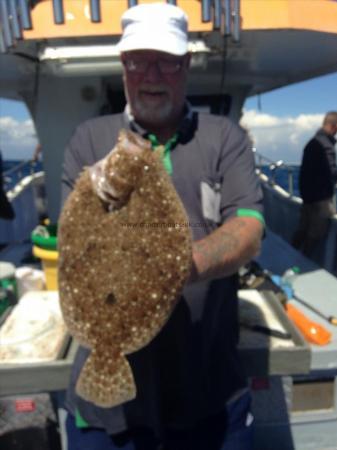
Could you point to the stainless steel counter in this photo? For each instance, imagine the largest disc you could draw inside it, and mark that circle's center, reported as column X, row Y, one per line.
column 262, row 356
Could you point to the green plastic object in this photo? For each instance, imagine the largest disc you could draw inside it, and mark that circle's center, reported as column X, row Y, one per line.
column 4, row 302
column 47, row 240
column 8, row 288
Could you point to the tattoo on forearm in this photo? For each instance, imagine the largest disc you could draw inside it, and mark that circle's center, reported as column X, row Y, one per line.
column 223, row 249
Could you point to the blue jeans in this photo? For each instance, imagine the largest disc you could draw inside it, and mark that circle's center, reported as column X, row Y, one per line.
column 228, row 430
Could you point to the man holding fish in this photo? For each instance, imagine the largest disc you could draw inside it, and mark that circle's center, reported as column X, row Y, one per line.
column 191, row 390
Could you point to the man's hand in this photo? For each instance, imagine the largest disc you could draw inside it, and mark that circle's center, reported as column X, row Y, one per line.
column 228, row 248
column 110, row 179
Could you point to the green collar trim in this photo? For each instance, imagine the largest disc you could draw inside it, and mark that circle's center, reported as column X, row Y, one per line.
column 79, row 421
column 167, row 147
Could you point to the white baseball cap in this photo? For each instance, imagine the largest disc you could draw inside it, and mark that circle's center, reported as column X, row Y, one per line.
column 154, row 26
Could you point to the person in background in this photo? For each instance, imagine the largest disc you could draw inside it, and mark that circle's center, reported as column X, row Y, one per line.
column 37, row 153
column 192, row 392
column 6, row 209
column 317, row 184
column 39, row 188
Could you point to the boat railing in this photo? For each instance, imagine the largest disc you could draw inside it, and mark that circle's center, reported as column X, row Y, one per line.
column 274, row 167
column 282, row 209
column 21, row 19
column 17, row 173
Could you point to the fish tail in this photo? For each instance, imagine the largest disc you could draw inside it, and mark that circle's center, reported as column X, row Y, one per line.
column 106, row 381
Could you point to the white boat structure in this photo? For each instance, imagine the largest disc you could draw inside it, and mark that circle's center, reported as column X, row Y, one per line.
column 59, row 57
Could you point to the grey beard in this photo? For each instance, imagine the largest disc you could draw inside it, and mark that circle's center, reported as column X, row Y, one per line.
column 152, row 116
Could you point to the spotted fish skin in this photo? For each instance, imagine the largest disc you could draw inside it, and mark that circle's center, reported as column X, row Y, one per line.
column 121, row 272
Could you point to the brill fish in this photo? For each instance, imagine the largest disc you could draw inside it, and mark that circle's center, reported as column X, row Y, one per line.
column 121, row 271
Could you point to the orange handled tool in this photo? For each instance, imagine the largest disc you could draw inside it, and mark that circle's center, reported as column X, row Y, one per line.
column 312, row 331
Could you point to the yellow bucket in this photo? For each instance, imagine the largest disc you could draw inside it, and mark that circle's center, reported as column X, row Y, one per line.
column 49, row 263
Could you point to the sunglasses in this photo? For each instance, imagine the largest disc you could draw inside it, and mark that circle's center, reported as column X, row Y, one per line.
column 140, row 66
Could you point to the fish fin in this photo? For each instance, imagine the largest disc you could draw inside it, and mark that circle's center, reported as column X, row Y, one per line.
column 106, row 380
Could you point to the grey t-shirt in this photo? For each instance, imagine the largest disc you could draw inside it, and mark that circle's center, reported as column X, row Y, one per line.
column 191, row 369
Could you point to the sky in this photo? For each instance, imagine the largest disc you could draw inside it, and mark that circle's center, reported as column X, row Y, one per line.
column 17, row 133
column 288, row 117
column 280, row 122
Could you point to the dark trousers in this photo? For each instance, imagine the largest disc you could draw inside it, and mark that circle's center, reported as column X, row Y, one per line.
column 229, row 430
column 313, row 226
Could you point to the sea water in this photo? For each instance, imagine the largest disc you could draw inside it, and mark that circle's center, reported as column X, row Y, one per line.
column 13, row 177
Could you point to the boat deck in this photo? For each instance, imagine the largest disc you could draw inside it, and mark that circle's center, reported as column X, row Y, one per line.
column 264, row 357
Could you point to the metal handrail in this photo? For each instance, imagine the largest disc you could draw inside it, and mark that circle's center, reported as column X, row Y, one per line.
column 18, row 171
column 18, row 167
column 274, row 166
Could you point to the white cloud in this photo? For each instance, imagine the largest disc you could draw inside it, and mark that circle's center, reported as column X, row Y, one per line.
column 17, row 138
column 255, row 119
column 274, row 137
column 281, row 137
